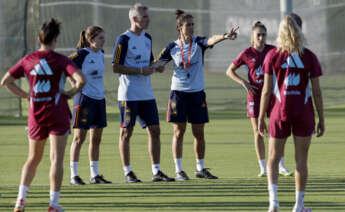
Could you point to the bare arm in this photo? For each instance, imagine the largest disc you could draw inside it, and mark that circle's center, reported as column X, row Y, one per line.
column 264, row 103
column 231, row 72
column 317, row 96
column 232, row 35
column 8, row 82
column 77, row 81
column 121, row 69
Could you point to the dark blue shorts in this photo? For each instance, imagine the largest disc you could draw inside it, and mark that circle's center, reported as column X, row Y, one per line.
column 88, row 112
column 185, row 106
column 146, row 110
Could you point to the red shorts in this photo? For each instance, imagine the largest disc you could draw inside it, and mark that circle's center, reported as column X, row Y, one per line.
column 282, row 129
column 60, row 127
column 38, row 132
column 253, row 107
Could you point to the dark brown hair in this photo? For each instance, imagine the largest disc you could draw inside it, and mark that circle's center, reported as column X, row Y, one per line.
column 181, row 17
column 49, row 31
column 90, row 33
column 257, row 24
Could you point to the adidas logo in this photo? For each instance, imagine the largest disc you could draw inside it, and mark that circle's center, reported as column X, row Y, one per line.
column 42, row 86
column 41, row 69
column 293, row 61
column 292, row 80
column 258, row 71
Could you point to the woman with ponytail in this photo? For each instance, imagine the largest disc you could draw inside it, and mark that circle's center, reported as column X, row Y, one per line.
column 49, row 114
column 289, row 70
column 253, row 58
column 187, row 98
column 89, row 110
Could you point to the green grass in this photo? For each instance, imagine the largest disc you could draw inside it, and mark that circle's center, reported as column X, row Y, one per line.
column 230, row 154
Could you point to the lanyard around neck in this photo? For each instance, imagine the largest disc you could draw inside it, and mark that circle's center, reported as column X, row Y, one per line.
column 189, row 54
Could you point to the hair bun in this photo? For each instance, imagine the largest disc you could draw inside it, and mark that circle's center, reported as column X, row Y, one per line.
column 179, row 13
column 257, row 23
column 53, row 23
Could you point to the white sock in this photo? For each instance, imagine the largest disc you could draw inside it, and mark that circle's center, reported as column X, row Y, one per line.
column 273, row 190
column 178, row 164
column 23, row 190
column 127, row 169
column 93, row 168
column 156, row 168
column 200, row 164
column 299, row 199
column 54, row 198
column 262, row 164
column 282, row 163
column 74, row 168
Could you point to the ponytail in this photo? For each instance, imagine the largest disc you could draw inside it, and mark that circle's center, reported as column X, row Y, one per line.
column 82, row 41
column 90, row 33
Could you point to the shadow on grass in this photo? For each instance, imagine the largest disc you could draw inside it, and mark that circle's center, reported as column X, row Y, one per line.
column 233, row 194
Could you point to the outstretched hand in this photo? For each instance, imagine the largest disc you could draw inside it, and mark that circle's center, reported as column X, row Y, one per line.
column 232, row 35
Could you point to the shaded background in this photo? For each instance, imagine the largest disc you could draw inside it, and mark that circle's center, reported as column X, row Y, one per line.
column 323, row 25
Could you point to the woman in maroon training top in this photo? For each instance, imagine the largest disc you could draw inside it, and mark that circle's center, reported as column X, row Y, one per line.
column 253, row 57
column 289, row 70
column 49, row 114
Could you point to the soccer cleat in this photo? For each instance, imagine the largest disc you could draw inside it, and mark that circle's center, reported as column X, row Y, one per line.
column 285, row 172
column 262, row 174
column 301, row 209
column 160, row 176
column 99, row 179
column 204, row 174
column 55, row 208
column 181, row 176
column 19, row 209
column 132, row 178
column 76, row 180
column 19, row 206
column 274, row 207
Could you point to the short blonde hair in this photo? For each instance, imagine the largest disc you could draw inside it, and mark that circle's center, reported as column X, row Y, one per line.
column 290, row 36
column 135, row 10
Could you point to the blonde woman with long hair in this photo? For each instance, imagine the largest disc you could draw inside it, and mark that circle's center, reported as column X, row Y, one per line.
column 289, row 70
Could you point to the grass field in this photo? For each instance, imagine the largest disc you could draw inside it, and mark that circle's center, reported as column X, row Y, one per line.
column 230, row 154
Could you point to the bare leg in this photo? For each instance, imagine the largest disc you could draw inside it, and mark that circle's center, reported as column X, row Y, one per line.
column 95, row 141
column 177, row 143
column 57, row 152
column 154, row 145
column 276, row 149
column 301, row 173
column 124, row 147
column 78, row 140
column 258, row 140
column 199, row 140
column 36, row 149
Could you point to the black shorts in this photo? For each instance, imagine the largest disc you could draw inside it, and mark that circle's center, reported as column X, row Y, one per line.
column 146, row 110
column 185, row 106
column 88, row 112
